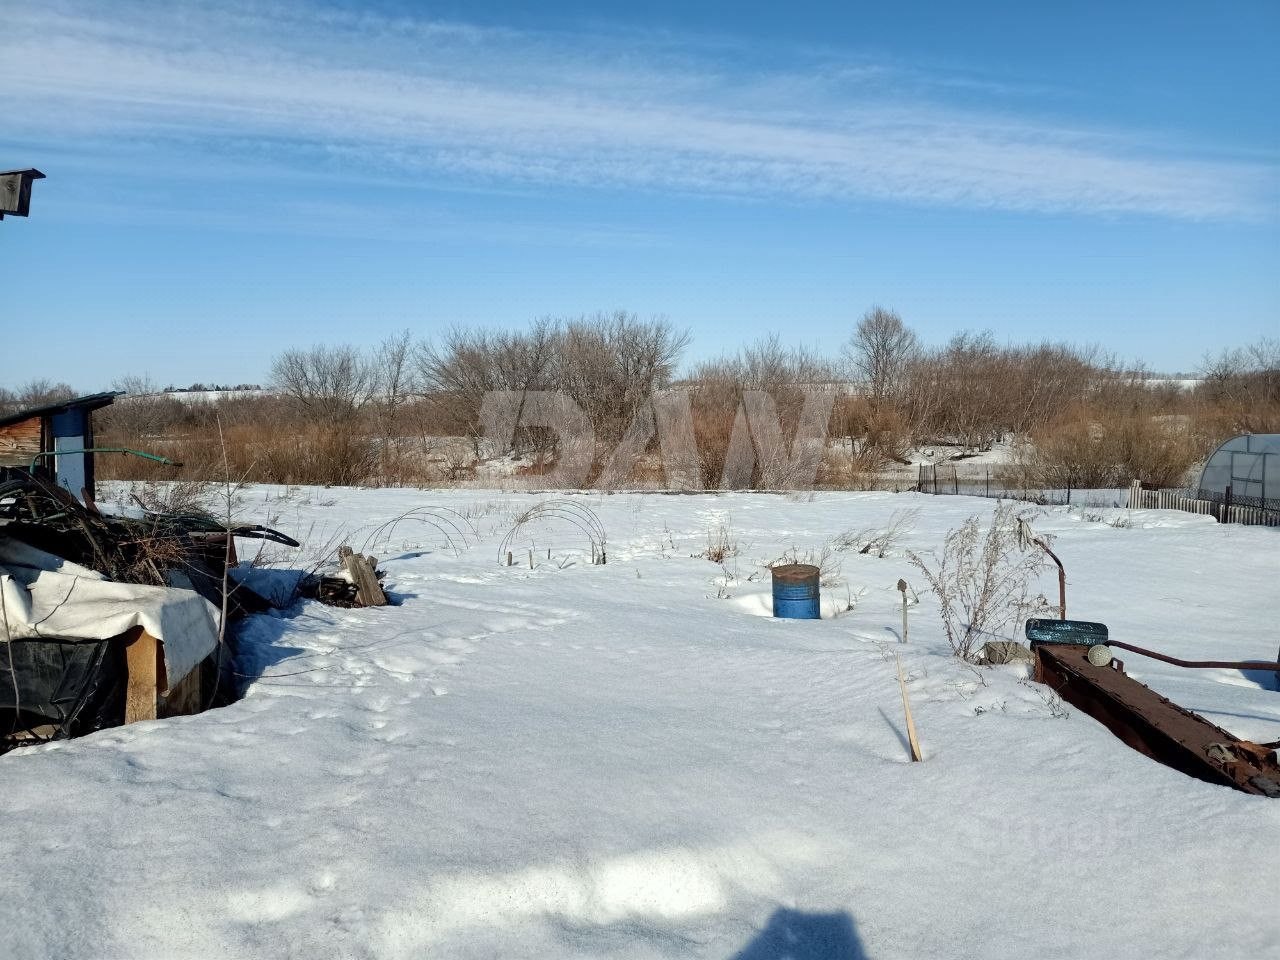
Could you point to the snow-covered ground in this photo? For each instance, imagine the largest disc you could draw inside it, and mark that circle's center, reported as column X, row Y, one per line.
column 628, row 760
column 1000, row 454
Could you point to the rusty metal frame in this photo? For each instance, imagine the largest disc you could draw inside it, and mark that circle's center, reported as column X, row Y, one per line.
column 1154, row 725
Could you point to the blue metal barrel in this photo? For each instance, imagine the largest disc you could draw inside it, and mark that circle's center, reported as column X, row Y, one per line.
column 795, row 592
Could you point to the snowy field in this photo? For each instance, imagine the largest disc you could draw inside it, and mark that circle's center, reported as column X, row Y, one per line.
column 631, row 761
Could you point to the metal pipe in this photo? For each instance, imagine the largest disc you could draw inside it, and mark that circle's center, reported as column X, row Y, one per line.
column 1196, row 664
column 1062, row 577
column 135, row 453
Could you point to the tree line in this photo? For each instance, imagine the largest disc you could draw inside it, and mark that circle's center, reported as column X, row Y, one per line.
column 384, row 413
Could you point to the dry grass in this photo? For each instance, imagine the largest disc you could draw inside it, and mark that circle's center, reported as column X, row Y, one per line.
column 879, row 541
column 1089, row 448
column 721, row 544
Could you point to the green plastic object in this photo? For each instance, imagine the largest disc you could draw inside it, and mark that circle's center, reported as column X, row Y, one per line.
column 1082, row 632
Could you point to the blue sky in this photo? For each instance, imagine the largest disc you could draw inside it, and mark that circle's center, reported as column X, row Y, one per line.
column 228, row 180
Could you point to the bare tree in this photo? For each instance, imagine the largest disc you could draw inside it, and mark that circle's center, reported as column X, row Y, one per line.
column 719, row 388
column 608, row 364
column 144, row 411
column 328, row 383
column 611, row 365
column 879, row 351
column 395, row 372
column 1241, row 389
column 956, row 394
column 40, row 392
column 467, row 364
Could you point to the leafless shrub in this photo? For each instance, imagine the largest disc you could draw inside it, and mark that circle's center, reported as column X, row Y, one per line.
column 177, row 496
column 721, row 544
column 396, row 385
column 1092, row 447
column 1088, row 420
column 609, row 365
column 786, row 376
column 865, row 470
column 983, row 581
column 875, row 429
column 144, row 412
column 974, row 392
column 1240, row 392
column 879, row 541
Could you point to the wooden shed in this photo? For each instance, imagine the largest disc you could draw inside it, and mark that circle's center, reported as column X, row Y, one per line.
column 27, row 434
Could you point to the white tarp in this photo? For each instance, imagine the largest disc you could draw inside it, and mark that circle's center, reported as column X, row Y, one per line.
column 42, row 595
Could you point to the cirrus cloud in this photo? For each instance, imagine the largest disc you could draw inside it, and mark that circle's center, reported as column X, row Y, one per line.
column 492, row 105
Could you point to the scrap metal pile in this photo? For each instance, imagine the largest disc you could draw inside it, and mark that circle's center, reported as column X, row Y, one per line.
column 106, row 619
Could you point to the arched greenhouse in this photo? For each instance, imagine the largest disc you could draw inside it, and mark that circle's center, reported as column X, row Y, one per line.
column 1244, row 470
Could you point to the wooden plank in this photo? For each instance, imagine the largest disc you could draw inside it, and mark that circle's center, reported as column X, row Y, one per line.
column 187, row 695
column 368, row 590
column 144, row 674
column 19, row 442
column 912, row 741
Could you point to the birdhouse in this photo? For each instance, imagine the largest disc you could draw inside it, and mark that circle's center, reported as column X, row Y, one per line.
column 15, row 191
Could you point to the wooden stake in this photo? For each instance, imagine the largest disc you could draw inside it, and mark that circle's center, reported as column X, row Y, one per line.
column 902, row 587
column 916, row 755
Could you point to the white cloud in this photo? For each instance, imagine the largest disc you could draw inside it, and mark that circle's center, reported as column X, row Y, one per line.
column 588, row 110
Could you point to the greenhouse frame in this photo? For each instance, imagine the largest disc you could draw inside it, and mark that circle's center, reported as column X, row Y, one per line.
column 1244, row 470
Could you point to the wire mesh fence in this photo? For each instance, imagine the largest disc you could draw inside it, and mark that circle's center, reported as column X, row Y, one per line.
column 1002, row 482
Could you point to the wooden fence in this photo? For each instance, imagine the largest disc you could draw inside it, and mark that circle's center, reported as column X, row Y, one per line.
column 1224, row 512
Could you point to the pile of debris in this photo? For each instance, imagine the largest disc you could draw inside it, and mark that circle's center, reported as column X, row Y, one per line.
column 110, row 619
column 357, row 582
